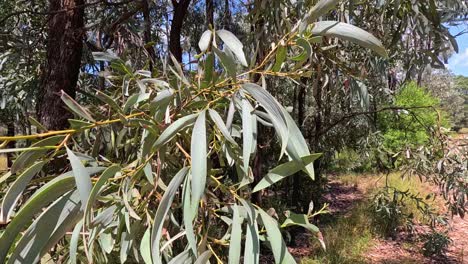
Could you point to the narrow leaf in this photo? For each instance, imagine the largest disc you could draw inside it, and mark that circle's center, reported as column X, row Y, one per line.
column 162, row 211
column 198, row 154
column 75, row 107
column 174, row 128
column 16, row 189
column 350, row 33
column 236, row 236
column 278, row 247
column 234, row 44
column 205, row 39
column 82, row 178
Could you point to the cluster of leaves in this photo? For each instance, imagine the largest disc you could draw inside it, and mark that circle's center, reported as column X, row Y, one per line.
column 133, row 192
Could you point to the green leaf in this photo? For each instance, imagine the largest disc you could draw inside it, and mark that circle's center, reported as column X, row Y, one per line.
column 41, row 198
column 145, row 247
column 174, row 128
column 189, row 213
column 306, row 50
column 75, row 107
column 198, row 153
column 162, row 211
column 108, row 100
column 221, row 126
column 280, row 57
column 273, row 108
column 37, row 124
column 320, row 9
column 278, row 247
column 125, row 245
column 78, row 124
column 82, row 178
column 227, row 62
column 247, row 134
column 16, row 189
column 236, row 236
column 299, row 220
column 284, row 170
column 252, row 242
column 74, row 242
column 47, row 229
column 297, row 145
column 204, row 257
column 350, row 33
column 205, row 40
column 109, row 172
column 29, row 157
column 181, row 258
column 233, row 44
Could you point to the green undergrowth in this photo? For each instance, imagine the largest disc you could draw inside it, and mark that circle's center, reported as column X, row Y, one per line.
column 348, row 237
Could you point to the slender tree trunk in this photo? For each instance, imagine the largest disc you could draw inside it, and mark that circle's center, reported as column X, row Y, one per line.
column 227, row 15
column 147, row 33
column 180, row 11
column 64, row 49
column 209, row 10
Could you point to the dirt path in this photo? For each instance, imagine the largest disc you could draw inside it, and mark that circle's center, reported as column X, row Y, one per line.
column 405, row 248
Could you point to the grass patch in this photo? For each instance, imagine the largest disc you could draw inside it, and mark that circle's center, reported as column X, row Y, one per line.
column 346, row 239
column 349, row 237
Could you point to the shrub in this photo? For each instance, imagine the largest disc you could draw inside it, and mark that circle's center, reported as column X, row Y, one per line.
column 435, row 243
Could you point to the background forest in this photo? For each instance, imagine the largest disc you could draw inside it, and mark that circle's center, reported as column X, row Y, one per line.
column 190, row 131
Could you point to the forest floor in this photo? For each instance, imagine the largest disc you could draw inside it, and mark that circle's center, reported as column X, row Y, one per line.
column 348, row 235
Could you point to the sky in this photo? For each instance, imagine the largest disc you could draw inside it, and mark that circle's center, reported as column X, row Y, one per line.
column 458, row 63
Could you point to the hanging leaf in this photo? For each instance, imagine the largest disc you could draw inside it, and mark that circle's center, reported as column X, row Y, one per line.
column 274, row 110
column 189, row 215
column 350, row 33
column 320, row 9
column 145, row 247
column 234, row 45
column 29, row 157
column 75, row 107
column 278, row 247
column 227, row 62
column 162, row 211
column 174, row 128
column 16, row 189
column 109, row 172
column 47, row 229
column 82, row 178
column 221, row 126
column 280, row 57
column 198, row 154
column 205, row 40
column 236, row 236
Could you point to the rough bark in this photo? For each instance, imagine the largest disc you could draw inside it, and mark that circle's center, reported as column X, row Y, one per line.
column 180, row 11
column 64, row 49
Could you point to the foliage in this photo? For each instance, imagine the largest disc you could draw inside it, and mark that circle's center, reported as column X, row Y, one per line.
column 435, row 243
column 162, row 177
column 415, row 116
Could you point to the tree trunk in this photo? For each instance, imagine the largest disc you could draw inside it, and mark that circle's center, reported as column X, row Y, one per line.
column 180, row 11
column 64, row 49
column 147, row 34
column 209, row 13
column 227, row 15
